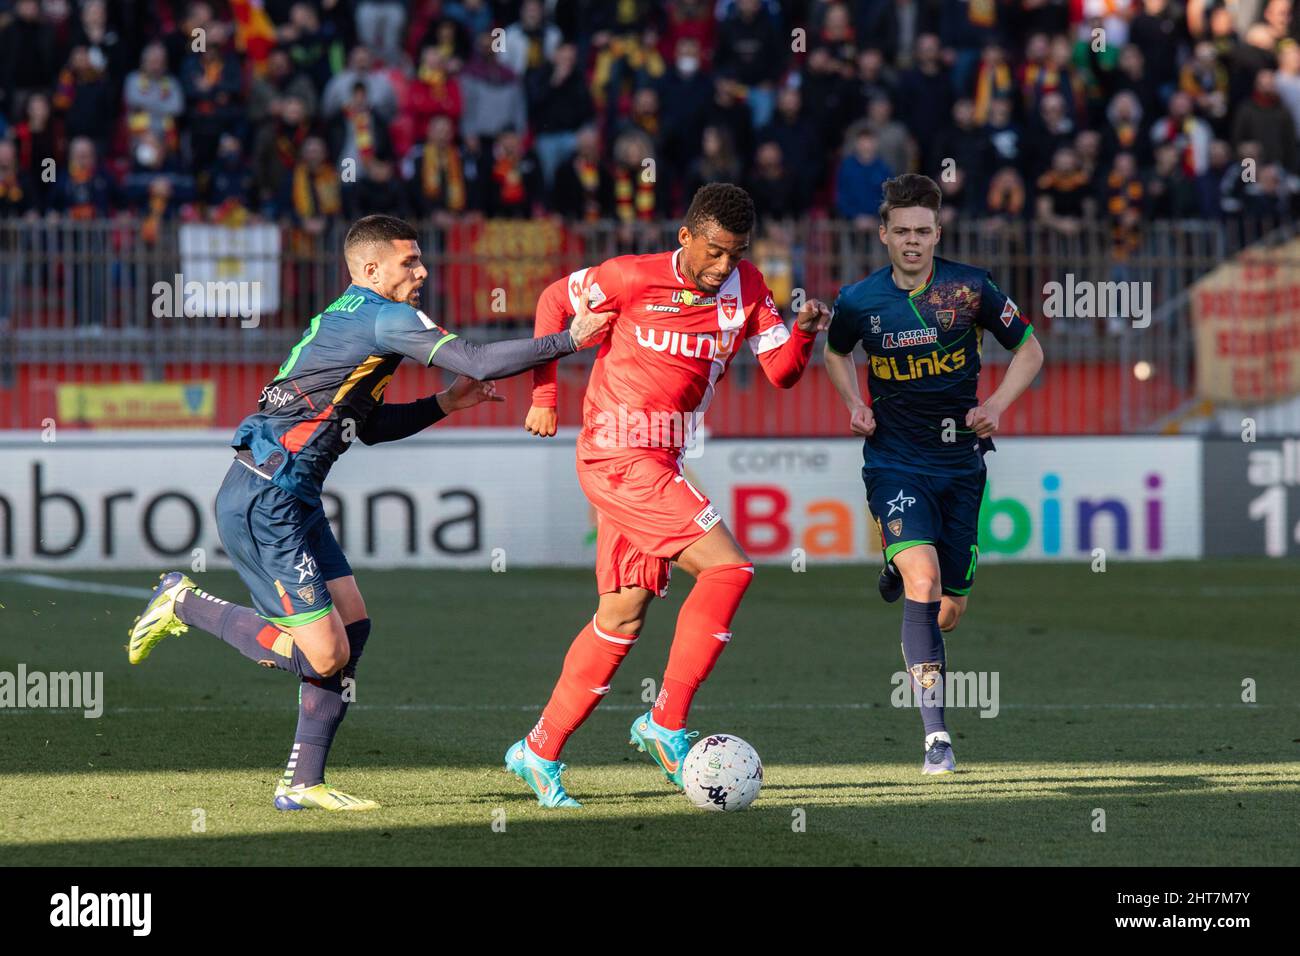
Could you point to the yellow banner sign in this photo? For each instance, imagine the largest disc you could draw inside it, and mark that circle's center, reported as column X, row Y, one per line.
column 138, row 404
column 1246, row 314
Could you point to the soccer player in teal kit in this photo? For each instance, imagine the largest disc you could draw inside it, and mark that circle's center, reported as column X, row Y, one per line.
column 308, row 616
column 921, row 320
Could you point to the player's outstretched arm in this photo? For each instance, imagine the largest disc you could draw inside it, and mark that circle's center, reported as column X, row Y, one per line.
column 395, row 422
column 784, row 365
column 1025, row 364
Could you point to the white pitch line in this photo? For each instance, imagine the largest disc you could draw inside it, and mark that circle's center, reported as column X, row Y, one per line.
column 534, row 708
column 61, row 584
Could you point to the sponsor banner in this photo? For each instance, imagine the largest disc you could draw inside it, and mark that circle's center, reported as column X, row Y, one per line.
column 498, row 268
column 1047, row 499
column 490, row 497
column 138, row 404
column 1246, row 316
column 1252, row 498
column 220, row 266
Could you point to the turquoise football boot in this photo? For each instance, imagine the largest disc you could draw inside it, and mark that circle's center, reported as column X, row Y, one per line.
column 668, row 748
column 542, row 775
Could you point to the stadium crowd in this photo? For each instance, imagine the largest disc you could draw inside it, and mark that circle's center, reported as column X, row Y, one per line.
column 311, row 110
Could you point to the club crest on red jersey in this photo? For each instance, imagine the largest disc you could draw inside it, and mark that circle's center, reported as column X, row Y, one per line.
column 727, row 302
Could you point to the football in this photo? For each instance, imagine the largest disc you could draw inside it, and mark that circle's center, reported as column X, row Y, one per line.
column 722, row 772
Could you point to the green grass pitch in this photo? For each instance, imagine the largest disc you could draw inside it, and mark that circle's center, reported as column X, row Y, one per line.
column 1118, row 691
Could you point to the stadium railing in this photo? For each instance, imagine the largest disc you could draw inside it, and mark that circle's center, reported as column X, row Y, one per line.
column 95, row 303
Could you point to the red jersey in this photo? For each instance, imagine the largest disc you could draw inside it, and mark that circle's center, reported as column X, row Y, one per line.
column 665, row 351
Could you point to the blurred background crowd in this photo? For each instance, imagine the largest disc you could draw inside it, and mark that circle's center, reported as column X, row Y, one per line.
column 305, row 111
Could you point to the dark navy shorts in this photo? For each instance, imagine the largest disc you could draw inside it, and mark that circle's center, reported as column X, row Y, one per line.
column 944, row 511
column 281, row 546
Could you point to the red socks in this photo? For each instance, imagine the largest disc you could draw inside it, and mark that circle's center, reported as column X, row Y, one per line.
column 703, row 630
column 588, row 667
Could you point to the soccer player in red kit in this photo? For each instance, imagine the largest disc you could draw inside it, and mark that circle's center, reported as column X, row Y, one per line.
column 679, row 318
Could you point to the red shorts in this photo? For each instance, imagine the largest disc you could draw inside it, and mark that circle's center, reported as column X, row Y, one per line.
column 647, row 513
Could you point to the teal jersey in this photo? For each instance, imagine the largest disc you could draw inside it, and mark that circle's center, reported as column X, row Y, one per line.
column 334, row 379
column 924, row 353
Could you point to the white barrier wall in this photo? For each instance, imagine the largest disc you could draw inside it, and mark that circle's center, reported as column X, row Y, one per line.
column 144, row 500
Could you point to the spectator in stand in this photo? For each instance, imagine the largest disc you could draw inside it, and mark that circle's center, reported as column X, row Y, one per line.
column 716, row 162
column 1125, row 131
column 1064, row 201
column 892, row 138
column 267, row 93
column 966, row 146
column 379, row 27
column 730, row 113
column 583, row 189
column 512, row 180
column 1264, row 119
column 685, row 93
column 358, row 133
column 311, row 194
column 377, row 191
column 106, row 49
column 894, row 25
column 1087, row 146
column 638, row 196
column 1189, row 135
column 154, row 99
column 994, row 81
column 1125, row 202
column 774, row 190
column 493, row 98
column 625, row 62
column 858, row 185
column 275, row 151
column 17, row 198
column 229, row 196
column 529, row 43
column 752, row 51
column 794, row 133
column 29, row 55
column 559, row 103
column 85, row 191
column 1211, row 182
column 872, row 80
column 1171, row 192
column 1006, row 196
column 1257, row 52
column 1051, row 129
column 440, row 178
column 928, row 83
column 1132, row 78
column 1205, row 79
column 362, row 68
column 1288, row 78
column 434, row 91
column 213, row 93
column 1158, row 32
column 310, row 43
column 1003, row 132
column 966, row 28
column 41, row 145
column 86, row 99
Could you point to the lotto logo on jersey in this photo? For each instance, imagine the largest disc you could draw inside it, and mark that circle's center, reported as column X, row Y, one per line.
column 708, row 517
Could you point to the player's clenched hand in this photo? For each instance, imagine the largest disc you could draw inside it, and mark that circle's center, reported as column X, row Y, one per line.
column 983, row 420
column 541, row 422
column 862, row 421
column 814, row 317
column 588, row 326
column 465, row 392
